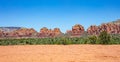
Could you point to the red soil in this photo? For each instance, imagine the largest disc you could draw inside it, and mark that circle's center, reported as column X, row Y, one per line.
column 60, row 53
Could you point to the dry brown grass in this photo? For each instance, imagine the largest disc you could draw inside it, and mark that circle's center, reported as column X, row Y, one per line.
column 60, row 53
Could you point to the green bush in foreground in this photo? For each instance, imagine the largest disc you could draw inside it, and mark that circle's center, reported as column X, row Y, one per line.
column 104, row 38
column 93, row 39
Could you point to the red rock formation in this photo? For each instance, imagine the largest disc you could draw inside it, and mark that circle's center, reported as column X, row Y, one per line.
column 56, row 31
column 1, row 33
column 111, row 28
column 93, row 30
column 45, row 32
column 77, row 30
column 23, row 32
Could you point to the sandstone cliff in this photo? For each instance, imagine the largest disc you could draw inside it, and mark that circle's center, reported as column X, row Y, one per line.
column 45, row 32
column 77, row 30
column 111, row 28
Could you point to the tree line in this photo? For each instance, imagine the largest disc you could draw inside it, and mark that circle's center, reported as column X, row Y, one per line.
column 103, row 38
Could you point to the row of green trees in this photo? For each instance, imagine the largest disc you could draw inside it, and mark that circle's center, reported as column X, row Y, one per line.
column 103, row 38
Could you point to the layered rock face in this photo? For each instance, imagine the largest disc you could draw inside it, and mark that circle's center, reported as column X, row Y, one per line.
column 111, row 28
column 23, row 32
column 1, row 33
column 45, row 32
column 57, row 31
column 77, row 30
column 7, row 31
column 93, row 30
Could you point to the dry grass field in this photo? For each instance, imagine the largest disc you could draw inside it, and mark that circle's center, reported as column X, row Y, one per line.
column 60, row 53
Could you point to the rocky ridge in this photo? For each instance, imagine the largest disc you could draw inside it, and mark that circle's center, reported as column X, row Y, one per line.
column 111, row 28
column 77, row 30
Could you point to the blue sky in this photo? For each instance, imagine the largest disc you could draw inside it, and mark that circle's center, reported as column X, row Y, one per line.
column 57, row 13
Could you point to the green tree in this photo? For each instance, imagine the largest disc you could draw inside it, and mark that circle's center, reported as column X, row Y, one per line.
column 93, row 39
column 104, row 38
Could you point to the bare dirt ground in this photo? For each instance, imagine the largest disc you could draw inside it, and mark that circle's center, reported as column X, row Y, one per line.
column 60, row 53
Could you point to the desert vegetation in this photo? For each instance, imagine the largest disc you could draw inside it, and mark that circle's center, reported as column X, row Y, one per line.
column 103, row 38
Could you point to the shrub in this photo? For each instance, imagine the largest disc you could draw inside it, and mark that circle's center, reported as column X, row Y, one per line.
column 104, row 38
column 93, row 39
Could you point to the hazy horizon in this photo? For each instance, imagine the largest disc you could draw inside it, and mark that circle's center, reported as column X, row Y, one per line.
column 57, row 13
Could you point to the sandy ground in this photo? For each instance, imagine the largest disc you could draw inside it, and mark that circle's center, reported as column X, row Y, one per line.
column 60, row 53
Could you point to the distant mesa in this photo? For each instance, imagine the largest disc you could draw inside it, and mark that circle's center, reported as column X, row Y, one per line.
column 9, row 29
column 76, row 31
